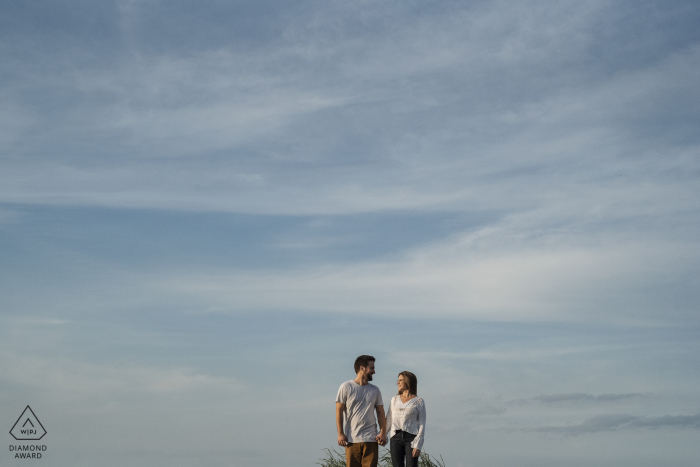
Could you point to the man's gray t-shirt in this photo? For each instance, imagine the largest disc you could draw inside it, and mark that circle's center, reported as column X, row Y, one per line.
column 360, row 401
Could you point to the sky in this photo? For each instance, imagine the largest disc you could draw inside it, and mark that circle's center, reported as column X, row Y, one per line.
column 209, row 209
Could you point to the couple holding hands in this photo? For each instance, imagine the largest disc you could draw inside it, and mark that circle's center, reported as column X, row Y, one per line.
column 357, row 402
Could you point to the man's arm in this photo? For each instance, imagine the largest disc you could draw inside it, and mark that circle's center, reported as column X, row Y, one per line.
column 389, row 416
column 339, row 409
column 381, row 437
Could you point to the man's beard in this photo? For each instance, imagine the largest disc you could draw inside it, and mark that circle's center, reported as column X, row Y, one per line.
column 369, row 378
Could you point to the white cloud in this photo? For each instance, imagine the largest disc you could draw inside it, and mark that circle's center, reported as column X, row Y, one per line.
column 62, row 379
column 268, row 132
column 614, row 422
column 493, row 274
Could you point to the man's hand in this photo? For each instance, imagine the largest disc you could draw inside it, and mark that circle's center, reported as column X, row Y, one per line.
column 416, row 452
column 380, row 438
column 381, row 418
column 339, row 409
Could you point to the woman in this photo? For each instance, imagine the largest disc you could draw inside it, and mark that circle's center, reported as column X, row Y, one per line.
column 405, row 422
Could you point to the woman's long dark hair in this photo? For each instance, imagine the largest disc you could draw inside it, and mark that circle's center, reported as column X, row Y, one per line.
column 412, row 381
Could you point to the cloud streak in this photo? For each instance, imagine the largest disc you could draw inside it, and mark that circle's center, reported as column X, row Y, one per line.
column 582, row 397
column 316, row 124
column 456, row 279
column 71, row 380
column 605, row 423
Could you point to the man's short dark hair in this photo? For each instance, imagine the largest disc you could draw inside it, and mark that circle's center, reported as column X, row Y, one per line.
column 363, row 360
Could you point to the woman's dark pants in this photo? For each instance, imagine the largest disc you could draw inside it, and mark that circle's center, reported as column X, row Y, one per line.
column 401, row 450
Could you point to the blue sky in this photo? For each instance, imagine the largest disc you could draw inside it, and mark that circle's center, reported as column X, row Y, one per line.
column 209, row 209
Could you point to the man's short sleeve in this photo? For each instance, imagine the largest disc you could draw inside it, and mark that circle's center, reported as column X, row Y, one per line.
column 342, row 396
column 379, row 398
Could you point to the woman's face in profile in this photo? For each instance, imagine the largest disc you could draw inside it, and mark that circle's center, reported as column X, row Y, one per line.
column 401, row 383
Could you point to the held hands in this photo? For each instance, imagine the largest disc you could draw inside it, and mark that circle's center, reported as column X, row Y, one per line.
column 416, row 452
column 381, row 439
column 342, row 440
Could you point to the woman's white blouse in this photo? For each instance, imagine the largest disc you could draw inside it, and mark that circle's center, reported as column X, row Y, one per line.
column 409, row 417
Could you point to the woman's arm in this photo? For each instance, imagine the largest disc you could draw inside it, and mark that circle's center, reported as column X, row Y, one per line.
column 417, row 443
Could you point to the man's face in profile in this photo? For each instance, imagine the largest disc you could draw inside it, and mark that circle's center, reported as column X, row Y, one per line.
column 369, row 370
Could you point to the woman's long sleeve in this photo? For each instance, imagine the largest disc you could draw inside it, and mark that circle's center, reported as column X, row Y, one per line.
column 418, row 441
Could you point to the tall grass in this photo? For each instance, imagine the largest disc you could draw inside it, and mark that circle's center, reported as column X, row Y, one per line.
column 335, row 458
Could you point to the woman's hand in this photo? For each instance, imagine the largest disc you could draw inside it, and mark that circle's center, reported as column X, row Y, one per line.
column 380, row 439
column 416, row 452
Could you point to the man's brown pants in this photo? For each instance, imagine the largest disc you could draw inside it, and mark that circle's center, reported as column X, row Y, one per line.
column 362, row 454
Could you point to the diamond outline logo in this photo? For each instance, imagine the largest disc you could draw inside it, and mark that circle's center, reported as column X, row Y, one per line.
column 29, row 419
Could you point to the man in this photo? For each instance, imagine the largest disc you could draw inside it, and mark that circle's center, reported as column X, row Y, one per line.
column 359, row 399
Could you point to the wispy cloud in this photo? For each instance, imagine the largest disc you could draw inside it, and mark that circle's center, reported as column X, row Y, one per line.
column 322, row 123
column 603, row 423
column 581, row 397
column 553, row 401
column 67, row 379
column 458, row 279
